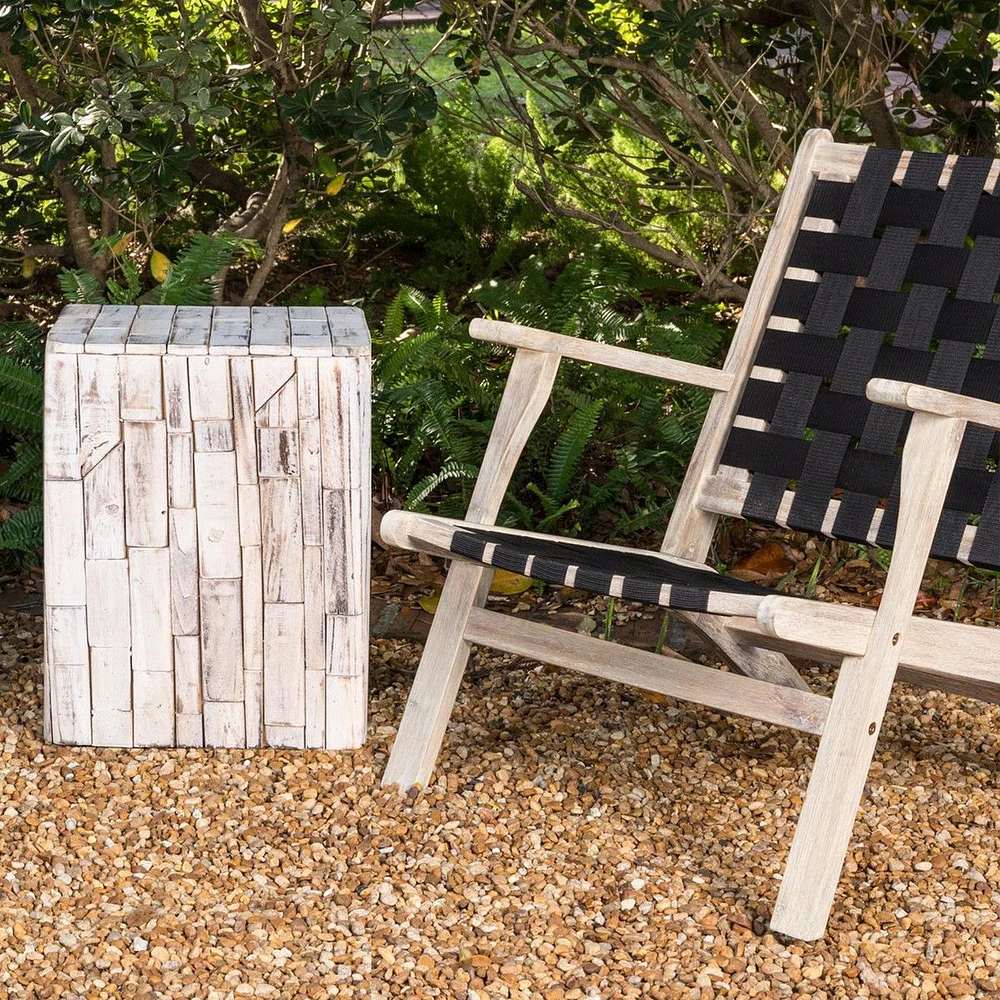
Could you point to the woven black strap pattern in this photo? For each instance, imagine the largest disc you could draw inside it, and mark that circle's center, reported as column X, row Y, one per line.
column 908, row 289
column 633, row 575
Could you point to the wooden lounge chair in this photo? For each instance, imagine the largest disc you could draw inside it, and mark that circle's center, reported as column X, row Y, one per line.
column 872, row 320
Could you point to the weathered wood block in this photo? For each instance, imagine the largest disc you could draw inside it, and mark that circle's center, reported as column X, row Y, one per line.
column 207, row 496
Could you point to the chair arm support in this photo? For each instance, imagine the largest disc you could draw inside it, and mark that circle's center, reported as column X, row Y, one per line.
column 924, row 399
column 594, row 352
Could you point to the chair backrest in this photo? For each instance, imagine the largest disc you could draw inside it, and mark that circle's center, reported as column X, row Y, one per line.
column 894, row 273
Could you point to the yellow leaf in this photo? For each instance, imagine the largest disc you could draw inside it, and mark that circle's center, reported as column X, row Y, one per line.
column 290, row 225
column 123, row 244
column 159, row 265
column 505, row 582
column 336, row 184
column 28, row 266
column 430, row 603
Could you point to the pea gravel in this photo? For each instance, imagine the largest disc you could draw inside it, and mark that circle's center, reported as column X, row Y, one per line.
column 582, row 840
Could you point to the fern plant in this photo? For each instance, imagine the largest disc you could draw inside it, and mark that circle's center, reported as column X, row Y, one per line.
column 21, row 396
column 190, row 280
column 455, row 202
column 628, row 438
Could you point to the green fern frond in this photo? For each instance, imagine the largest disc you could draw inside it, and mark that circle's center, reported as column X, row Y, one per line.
column 23, row 479
column 569, row 449
column 190, row 278
column 81, row 286
column 21, row 398
column 22, row 532
column 427, row 485
column 23, row 341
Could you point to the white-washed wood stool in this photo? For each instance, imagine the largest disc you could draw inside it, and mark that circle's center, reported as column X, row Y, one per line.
column 207, row 505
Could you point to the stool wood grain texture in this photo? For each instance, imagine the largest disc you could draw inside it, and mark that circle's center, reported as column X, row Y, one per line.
column 207, row 504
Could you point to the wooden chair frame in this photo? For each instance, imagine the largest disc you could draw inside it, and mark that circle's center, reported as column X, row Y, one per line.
column 873, row 648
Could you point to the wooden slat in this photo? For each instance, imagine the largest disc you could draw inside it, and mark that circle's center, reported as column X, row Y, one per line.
column 348, row 331
column 66, row 635
column 190, row 331
column 307, row 383
column 285, row 736
column 111, row 729
column 184, row 572
column 100, row 416
column 284, row 667
column 218, row 515
column 282, row 409
column 108, row 622
column 176, row 394
column 65, row 583
column 150, row 330
column 69, row 332
column 180, row 470
column 311, row 478
column 344, row 404
column 224, row 724
column 111, row 681
column 253, row 708
column 244, row 425
column 142, row 387
column 911, row 396
column 594, row 352
column 230, row 330
column 187, row 675
column 345, row 527
column 145, row 483
column 270, row 375
column 213, row 435
column 346, row 645
column 189, row 730
column 346, row 718
column 211, row 396
column 61, row 425
column 253, row 646
column 278, row 453
column 68, row 697
column 667, row 673
column 152, row 641
column 310, row 332
column 281, row 527
column 109, row 332
column 104, row 508
column 249, row 510
column 221, row 649
column 314, row 607
column 269, row 330
column 315, row 728
column 253, row 610
column 153, row 708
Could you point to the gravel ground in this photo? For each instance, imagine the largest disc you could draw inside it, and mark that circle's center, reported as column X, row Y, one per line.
column 583, row 840
column 173, row 873
column 586, row 840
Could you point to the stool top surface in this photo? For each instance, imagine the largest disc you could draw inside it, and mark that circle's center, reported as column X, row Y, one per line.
column 301, row 331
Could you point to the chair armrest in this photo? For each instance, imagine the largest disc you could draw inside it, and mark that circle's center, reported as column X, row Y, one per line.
column 924, row 399
column 601, row 354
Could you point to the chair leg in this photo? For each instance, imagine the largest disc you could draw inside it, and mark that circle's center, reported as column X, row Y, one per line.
column 836, row 784
column 439, row 675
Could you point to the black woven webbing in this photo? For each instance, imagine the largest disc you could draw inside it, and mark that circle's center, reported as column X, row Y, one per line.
column 909, row 289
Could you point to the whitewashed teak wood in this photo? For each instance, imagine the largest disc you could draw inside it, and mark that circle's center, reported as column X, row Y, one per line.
column 878, row 280
column 207, row 503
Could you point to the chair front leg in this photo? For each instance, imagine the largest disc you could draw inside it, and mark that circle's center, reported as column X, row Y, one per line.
column 446, row 654
column 849, row 736
column 439, row 675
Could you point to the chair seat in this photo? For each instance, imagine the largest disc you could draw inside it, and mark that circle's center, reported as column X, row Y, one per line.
column 617, row 572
